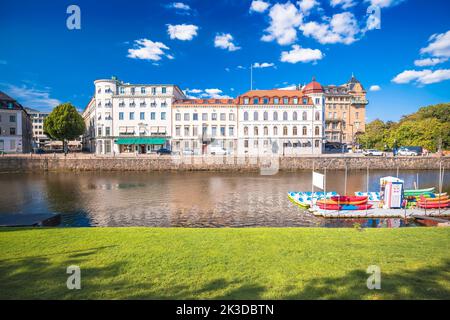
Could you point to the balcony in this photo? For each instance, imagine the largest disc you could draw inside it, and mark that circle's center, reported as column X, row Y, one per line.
column 359, row 101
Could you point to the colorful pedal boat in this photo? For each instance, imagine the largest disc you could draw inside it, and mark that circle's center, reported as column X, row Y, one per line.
column 297, row 201
column 344, row 207
column 344, row 200
column 437, row 199
column 433, row 205
column 418, row 192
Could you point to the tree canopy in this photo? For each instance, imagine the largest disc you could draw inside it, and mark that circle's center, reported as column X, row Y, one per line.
column 429, row 128
column 64, row 123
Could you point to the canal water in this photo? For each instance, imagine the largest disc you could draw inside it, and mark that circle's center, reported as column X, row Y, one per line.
column 187, row 199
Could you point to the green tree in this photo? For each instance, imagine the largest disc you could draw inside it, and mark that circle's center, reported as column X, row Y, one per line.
column 64, row 123
column 374, row 135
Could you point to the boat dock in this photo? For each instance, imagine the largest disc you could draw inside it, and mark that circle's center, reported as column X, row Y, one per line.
column 381, row 213
column 30, row 220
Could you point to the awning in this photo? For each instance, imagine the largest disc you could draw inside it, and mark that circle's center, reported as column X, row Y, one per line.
column 140, row 140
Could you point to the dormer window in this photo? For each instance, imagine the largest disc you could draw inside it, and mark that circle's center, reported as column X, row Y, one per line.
column 285, row 100
column 246, row 100
column 276, row 100
column 295, row 100
column 305, row 100
column 255, row 100
column 266, row 100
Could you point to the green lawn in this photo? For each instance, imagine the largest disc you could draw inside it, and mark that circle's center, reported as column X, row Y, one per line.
column 250, row 263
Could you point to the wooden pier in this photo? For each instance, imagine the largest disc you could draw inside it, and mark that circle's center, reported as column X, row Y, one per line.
column 30, row 220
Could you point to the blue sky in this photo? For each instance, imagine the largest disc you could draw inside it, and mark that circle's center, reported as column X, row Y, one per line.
column 206, row 47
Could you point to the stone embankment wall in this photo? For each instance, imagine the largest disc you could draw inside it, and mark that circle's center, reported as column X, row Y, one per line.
column 37, row 163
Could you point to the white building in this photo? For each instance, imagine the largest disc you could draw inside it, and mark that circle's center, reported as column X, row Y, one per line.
column 199, row 123
column 40, row 139
column 282, row 122
column 130, row 117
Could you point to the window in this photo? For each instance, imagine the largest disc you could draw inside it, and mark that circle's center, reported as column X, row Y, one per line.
column 246, row 100
column 231, row 117
column 195, row 116
column 223, row 117
column 204, row 129
column 163, row 90
column 294, row 131
column 132, row 90
column 275, row 131
column 187, row 117
column 152, row 116
column 163, row 116
column 245, row 116
column 245, row 143
column 304, row 130
column 266, row 115
column 99, row 131
column 120, row 115
column 317, row 143
column 317, row 131
column 142, row 90
column 255, row 100
column 122, row 90
column 142, row 116
column 178, row 131
column 186, row 131
column 266, row 100
column 285, row 131
column 295, row 100
column 12, row 144
column 214, row 116
column 317, row 100
column 204, row 116
column 194, row 130
column 178, row 117
column 285, row 116
column 222, row 131
column 12, row 131
column 153, row 90
column 255, row 116
column 245, row 131
column 317, row 115
column 305, row 100
column 255, row 131
column 276, row 100
column 2, row 145
column 357, row 115
column 231, row 131
column 294, row 116
column 213, row 131
column 12, row 118
column 285, row 100
column 255, row 143
column 131, row 115
column 304, row 116
column 108, row 131
column 266, row 131
column 275, row 116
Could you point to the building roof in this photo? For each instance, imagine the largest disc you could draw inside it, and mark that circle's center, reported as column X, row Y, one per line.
column 6, row 102
column 313, row 87
column 351, row 83
column 272, row 93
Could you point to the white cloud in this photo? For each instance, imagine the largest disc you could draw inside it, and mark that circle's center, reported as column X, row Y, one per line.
column 299, row 54
column 225, row 41
column 179, row 6
column 342, row 28
column 307, row 5
column 284, row 19
column 429, row 62
column 214, row 93
column 31, row 97
column 241, row 67
column 384, row 3
column 195, row 91
column 375, row 87
column 3, row 62
column 182, row 31
column 227, row 69
column 345, row 4
column 259, row 6
column 146, row 49
column 439, row 45
column 422, row 77
column 263, row 65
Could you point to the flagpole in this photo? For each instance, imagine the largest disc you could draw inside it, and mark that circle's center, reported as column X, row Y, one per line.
column 251, row 76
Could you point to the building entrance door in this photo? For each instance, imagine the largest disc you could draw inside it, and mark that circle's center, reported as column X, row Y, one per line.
column 143, row 148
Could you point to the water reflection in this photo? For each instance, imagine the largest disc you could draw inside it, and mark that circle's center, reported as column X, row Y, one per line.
column 188, row 199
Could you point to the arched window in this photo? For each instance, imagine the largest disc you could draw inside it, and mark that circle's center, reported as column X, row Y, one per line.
column 317, row 131
column 317, row 115
column 285, row 116
column 255, row 131
column 255, row 116
column 266, row 131
column 266, row 115
column 275, row 131
column 245, row 131
column 245, row 116
column 294, row 131
column 275, row 116
column 304, row 115
column 285, row 131
column 304, row 131
column 294, row 116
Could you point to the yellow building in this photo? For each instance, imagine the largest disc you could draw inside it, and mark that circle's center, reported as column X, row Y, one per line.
column 345, row 112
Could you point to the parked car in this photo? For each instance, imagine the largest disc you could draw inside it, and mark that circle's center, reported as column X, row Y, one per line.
column 404, row 151
column 39, row 151
column 373, row 152
column 188, row 152
column 217, row 150
column 164, row 151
